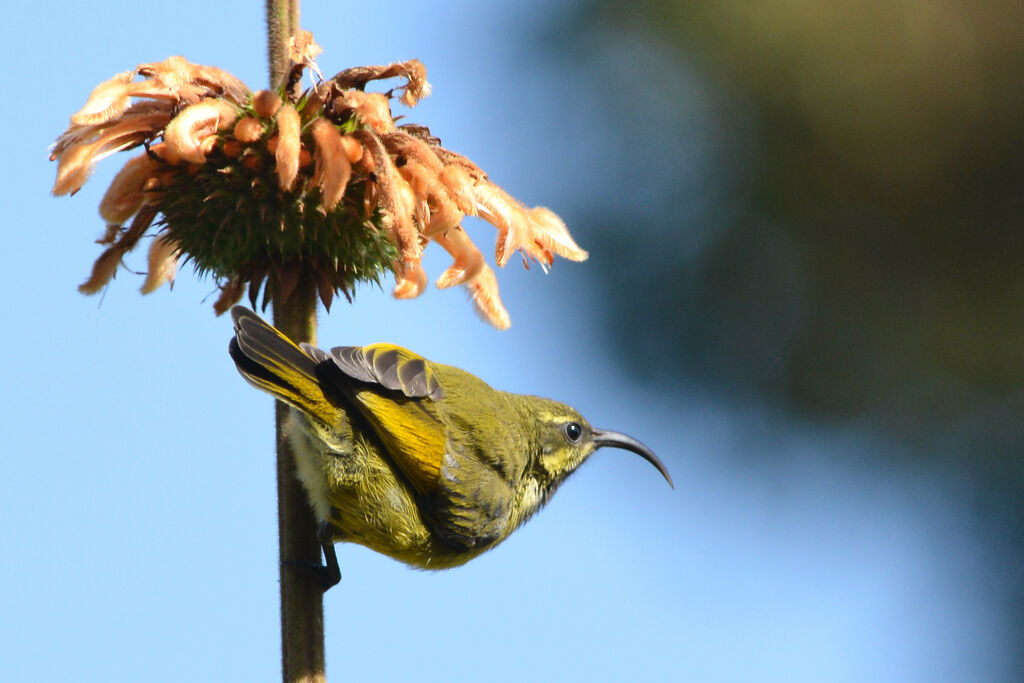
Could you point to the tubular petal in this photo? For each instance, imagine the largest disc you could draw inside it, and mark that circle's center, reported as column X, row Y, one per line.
column 459, row 184
column 248, row 129
column 394, row 197
column 413, row 71
column 230, row 294
column 483, row 290
column 353, row 150
column 188, row 130
column 266, row 104
column 411, row 281
column 372, row 108
column 124, row 196
column 333, row 169
column 107, row 100
column 550, row 231
column 468, row 259
column 74, row 167
column 78, row 149
column 163, row 263
column 288, row 145
column 443, row 213
column 103, row 269
column 506, row 214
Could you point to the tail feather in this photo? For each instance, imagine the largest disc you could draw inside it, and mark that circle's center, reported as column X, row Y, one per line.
column 271, row 362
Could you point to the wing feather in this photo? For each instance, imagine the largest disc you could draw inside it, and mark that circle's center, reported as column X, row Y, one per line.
column 477, row 498
column 397, row 391
column 351, row 360
column 391, row 367
column 385, row 363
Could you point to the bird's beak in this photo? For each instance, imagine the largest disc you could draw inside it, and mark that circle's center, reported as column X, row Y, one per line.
column 619, row 440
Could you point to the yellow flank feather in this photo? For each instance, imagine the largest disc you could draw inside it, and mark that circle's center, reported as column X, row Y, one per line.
column 414, row 435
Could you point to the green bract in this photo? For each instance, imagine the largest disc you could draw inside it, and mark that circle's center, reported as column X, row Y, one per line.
column 235, row 223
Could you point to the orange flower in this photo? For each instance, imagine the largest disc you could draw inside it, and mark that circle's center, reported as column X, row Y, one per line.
column 257, row 187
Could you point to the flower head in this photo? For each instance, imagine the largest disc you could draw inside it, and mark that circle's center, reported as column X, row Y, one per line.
column 257, row 187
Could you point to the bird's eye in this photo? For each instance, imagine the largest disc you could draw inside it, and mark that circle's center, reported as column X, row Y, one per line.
column 573, row 432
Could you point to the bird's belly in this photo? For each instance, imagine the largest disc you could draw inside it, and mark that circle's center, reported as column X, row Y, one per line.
column 383, row 516
column 365, row 501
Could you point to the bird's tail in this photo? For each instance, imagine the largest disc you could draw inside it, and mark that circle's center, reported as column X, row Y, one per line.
column 271, row 362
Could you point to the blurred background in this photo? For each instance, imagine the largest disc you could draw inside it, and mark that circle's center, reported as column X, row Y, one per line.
column 805, row 293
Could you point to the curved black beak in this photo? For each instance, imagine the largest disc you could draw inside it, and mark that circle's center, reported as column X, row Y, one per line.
column 619, row 440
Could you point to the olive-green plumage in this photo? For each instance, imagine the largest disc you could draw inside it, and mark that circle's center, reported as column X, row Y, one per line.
column 420, row 461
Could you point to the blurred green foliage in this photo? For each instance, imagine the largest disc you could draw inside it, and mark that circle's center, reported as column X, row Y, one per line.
column 843, row 237
column 866, row 258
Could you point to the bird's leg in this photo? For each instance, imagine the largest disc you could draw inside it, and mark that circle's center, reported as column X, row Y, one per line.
column 329, row 573
column 332, row 572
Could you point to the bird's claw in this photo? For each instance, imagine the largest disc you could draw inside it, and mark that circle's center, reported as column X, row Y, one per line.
column 325, row 575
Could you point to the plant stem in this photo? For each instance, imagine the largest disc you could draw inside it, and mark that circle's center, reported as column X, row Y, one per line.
column 302, row 607
column 302, row 599
column 282, row 24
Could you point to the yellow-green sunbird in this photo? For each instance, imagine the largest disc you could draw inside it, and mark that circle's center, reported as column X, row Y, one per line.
column 420, row 461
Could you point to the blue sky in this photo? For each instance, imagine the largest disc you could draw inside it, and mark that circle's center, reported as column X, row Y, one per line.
column 139, row 527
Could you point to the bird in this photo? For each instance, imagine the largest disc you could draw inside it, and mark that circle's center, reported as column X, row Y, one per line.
column 419, row 461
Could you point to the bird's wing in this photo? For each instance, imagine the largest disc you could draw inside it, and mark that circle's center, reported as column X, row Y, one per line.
column 466, row 489
column 476, row 496
column 398, row 392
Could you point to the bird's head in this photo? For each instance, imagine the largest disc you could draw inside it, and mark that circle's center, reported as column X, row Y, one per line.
column 563, row 440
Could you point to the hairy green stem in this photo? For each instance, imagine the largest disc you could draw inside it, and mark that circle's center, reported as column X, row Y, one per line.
column 302, row 607
column 282, row 24
column 302, row 604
